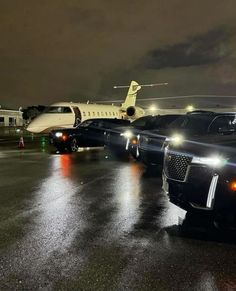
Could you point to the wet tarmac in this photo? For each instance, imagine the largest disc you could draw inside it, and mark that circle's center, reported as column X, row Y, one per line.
column 86, row 221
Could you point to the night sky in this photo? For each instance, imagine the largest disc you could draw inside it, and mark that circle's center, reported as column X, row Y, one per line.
column 58, row 50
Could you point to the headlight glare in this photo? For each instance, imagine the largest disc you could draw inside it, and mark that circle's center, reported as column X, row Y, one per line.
column 127, row 134
column 214, row 161
column 176, row 139
column 58, row 134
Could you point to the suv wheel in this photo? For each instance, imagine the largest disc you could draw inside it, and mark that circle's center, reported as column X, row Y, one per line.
column 73, row 145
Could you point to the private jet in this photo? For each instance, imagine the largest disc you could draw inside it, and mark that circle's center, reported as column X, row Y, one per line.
column 69, row 114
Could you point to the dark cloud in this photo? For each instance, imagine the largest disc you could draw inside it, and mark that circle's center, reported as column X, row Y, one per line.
column 199, row 50
column 74, row 50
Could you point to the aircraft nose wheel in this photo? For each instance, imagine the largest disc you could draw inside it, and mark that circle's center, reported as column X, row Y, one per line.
column 73, row 145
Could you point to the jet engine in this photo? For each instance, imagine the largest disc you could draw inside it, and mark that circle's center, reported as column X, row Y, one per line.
column 134, row 112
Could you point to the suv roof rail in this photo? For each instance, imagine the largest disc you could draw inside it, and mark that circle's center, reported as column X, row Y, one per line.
column 200, row 112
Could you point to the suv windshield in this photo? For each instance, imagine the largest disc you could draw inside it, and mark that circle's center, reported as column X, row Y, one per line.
column 161, row 122
column 86, row 123
column 154, row 122
column 197, row 123
column 143, row 122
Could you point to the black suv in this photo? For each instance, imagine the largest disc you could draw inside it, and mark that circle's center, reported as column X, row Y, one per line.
column 199, row 172
column 197, row 123
column 124, row 139
column 90, row 133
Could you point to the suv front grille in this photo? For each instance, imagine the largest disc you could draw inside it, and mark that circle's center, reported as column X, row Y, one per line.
column 176, row 165
column 143, row 140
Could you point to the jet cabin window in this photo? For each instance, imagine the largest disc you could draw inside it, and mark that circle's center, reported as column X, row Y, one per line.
column 57, row 109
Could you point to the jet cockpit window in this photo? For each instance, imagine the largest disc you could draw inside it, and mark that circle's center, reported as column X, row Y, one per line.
column 57, row 109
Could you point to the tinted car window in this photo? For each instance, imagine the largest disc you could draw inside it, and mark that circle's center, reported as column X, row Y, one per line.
column 118, row 122
column 104, row 123
column 163, row 121
column 197, row 123
column 222, row 122
column 115, row 123
column 142, row 122
column 85, row 123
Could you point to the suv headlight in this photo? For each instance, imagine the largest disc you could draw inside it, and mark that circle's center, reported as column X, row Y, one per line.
column 58, row 134
column 127, row 134
column 176, row 139
column 214, row 161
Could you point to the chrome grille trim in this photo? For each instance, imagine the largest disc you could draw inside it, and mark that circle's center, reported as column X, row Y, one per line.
column 176, row 165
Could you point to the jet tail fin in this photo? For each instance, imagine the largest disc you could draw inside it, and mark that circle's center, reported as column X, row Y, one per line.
column 134, row 87
column 130, row 99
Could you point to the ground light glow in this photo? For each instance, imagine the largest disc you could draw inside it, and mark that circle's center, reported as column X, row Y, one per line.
column 127, row 189
column 56, row 207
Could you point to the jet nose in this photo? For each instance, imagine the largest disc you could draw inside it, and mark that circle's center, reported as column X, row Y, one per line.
column 35, row 126
column 33, row 129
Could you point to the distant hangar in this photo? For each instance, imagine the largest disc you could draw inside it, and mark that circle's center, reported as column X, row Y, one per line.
column 10, row 117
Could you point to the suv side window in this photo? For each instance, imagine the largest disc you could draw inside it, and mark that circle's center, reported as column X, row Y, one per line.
column 222, row 122
column 94, row 124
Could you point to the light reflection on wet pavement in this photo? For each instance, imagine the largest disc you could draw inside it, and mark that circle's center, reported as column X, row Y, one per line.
column 88, row 222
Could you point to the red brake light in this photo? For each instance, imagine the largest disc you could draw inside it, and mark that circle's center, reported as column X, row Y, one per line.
column 64, row 137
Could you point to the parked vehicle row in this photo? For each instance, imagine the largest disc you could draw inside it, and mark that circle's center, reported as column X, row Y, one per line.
column 90, row 133
column 125, row 139
column 197, row 151
column 192, row 124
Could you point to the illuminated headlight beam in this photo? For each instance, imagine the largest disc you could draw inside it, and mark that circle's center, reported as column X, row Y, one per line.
column 58, row 134
column 214, row 161
column 127, row 134
column 176, row 139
